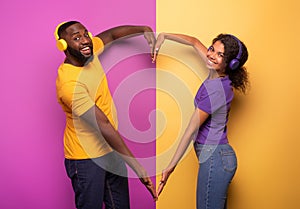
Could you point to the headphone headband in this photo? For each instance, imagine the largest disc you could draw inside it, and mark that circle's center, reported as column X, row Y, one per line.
column 56, row 30
column 234, row 63
column 61, row 44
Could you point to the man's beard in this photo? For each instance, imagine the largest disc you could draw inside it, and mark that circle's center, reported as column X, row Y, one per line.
column 80, row 57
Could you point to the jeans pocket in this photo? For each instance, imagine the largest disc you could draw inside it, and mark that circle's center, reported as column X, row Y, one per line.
column 229, row 160
column 70, row 168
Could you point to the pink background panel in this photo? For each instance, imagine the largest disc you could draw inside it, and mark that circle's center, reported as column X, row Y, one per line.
column 32, row 122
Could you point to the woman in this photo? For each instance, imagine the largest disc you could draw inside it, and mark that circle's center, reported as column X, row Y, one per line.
column 207, row 127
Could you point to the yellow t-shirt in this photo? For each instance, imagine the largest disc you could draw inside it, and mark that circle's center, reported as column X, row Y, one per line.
column 78, row 89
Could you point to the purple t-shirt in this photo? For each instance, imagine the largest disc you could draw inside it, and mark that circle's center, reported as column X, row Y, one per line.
column 214, row 97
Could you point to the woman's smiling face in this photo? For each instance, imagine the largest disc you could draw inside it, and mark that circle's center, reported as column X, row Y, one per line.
column 215, row 57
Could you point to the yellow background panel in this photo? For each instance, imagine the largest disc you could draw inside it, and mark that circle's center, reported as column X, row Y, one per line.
column 178, row 79
column 263, row 126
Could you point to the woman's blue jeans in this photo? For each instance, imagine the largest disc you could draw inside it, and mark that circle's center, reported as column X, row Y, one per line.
column 218, row 164
column 99, row 180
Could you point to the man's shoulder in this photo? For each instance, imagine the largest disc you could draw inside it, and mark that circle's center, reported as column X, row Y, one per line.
column 66, row 72
column 98, row 45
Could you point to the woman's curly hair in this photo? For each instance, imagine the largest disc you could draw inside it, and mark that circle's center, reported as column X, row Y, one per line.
column 239, row 77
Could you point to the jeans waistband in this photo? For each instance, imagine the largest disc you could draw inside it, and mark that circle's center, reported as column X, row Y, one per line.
column 205, row 151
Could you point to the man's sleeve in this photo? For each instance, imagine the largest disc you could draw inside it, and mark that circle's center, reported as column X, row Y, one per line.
column 75, row 96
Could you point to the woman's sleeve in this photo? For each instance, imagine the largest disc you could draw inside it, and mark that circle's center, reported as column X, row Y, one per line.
column 209, row 98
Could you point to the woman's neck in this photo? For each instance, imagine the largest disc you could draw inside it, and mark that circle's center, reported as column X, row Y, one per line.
column 215, row 74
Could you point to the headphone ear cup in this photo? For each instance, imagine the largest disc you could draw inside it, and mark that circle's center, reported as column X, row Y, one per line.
column 234, row 64
column 94, row 40
column 90, row 35
column 61, row 44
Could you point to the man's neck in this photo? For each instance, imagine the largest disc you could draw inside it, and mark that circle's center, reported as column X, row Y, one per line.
column 78, row 63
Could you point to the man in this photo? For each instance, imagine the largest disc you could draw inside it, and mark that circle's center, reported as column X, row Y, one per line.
column 92, row 144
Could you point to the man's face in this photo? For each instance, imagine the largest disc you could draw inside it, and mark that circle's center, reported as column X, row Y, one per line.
column 80, row 45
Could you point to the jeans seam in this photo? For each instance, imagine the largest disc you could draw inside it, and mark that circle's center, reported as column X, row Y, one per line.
column 209, row 181
column 110, row 194
column 78, row 185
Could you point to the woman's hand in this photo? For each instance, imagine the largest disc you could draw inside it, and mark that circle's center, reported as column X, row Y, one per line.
column 164, row 178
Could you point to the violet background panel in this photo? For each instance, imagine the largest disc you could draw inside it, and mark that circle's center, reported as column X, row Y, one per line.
column 31, row 146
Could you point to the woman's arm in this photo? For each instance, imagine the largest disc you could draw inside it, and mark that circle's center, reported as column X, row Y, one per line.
column 197, row 119
column 183, row 39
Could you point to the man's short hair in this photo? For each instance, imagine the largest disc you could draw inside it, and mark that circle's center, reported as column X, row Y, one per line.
column 64, row 26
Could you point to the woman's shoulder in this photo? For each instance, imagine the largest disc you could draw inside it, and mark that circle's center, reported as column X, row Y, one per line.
column 216, row 84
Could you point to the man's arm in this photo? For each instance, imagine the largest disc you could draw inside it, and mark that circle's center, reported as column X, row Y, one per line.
column 98, row 120
column 127, row 31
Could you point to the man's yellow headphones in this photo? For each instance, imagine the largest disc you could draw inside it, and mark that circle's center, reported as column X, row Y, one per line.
column 61, row 44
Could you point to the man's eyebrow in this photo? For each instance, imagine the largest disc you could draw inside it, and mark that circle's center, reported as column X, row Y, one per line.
column 74, row 33
column 77, row 32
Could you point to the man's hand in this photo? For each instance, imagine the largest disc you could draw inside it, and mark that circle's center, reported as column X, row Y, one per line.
column 149, row 185
column 142, row 174
column 150, row 37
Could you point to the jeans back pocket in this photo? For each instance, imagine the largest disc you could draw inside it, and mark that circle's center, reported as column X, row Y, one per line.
column 229, row 160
